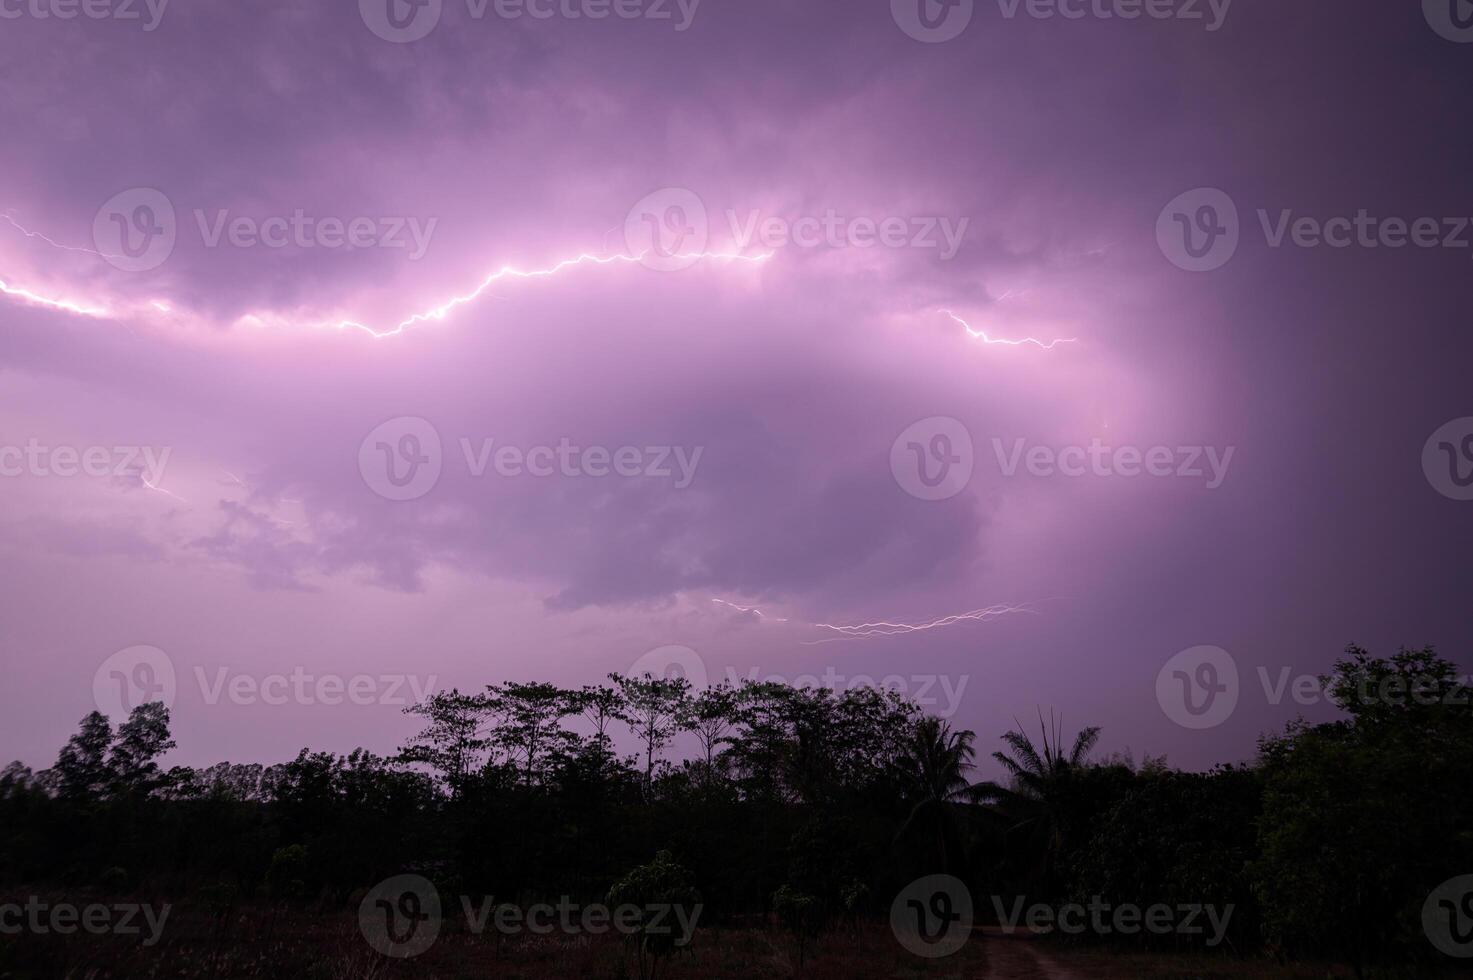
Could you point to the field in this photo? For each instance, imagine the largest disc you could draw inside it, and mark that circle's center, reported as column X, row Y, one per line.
column 285, row 944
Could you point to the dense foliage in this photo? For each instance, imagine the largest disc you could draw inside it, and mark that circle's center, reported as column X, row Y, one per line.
column 812, row 806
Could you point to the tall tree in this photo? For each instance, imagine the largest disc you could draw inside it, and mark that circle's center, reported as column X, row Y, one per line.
column 453, row 739
column 1044, row 792
column 139, row 743
column 528, row 725
column 655, row 707
column 935, row 768
column 82, row 769
column 711, row 715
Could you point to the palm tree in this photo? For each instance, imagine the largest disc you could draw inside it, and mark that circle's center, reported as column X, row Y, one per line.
column 935, row 763
column 1040, row 795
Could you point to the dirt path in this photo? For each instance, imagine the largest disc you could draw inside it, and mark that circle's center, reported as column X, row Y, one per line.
column 1020, row 959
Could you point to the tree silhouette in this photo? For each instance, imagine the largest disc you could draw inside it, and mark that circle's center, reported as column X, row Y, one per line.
column 935, row 768
column 1043, row 793
column 82, row 768
column 655, row 706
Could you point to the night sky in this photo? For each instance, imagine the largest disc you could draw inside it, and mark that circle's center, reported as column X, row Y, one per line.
column 805, row 259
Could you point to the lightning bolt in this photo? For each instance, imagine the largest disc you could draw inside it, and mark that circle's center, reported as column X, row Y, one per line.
column 6, row 214
column 54, row 303
column 437, row 312
column 750, row 609
column 982, row 336
column 860, row 630
column 440, row 311
column 161, row 490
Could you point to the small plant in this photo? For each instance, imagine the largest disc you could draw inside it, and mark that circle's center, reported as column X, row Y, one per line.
column 801, row 914
column 287, row 876
column 657, row 889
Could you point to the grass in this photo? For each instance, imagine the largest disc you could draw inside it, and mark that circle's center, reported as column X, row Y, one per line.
column 293, row 945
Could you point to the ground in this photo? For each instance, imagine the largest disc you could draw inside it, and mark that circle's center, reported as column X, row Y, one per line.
column 283, row 944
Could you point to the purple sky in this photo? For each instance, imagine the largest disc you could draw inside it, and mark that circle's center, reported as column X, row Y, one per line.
column 263, row 548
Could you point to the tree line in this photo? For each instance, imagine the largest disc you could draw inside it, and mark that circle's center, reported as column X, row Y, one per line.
column 804, row 803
